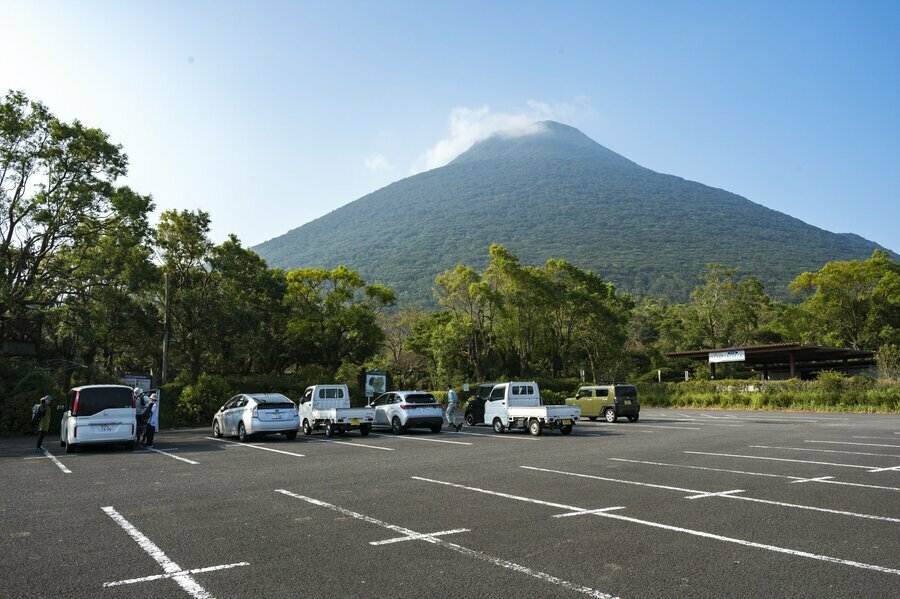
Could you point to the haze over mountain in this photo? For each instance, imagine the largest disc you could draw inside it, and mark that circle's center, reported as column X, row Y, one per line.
column 552, row 192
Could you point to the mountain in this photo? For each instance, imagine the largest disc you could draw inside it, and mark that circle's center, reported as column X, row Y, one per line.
column 553, row 192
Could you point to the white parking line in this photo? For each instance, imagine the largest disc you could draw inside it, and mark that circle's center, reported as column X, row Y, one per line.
column 419, row 439
column 874, row 438
column 880, row 455
column 174, row 457
column 496, row 436
column 419, row 536
column 57, row 462
column 363, row 445
column 724, row 494
column 47, row 457
column 703, row 422
column 757, row 457
column 571, row 586
column 680, row 428
column 794, row 479
column 851, row 443
column 697, row 533
column 171, row 569
column 296, row 455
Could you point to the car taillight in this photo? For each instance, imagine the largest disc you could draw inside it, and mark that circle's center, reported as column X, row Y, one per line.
column 255, row 414
column 75, row 405
column 403, row 406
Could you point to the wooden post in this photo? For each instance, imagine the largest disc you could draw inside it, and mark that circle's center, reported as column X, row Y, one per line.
column 712, row 368
column 793, row 365
column 765, row 371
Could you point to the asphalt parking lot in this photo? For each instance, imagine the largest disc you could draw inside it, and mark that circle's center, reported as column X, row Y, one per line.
column 684, row 503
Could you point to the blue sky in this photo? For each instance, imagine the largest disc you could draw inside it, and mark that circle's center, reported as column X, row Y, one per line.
column 271, row 114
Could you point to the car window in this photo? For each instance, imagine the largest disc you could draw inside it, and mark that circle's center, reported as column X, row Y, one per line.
column 627, row 391
column 92, row 400
column 497, row 393
column 395, row 399
column 420, row 398
column 602, row 392
column 585, row 392
column 241, row 402
column 308, row 395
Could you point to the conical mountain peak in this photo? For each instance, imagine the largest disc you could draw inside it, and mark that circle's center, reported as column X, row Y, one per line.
column 542, row 140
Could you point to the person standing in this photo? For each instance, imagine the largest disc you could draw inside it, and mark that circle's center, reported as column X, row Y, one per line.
column 452, row 400
column 44, row 423
column 151, row 417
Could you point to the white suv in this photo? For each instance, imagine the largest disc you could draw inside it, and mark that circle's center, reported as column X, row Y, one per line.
column 402, row 410
column 256, row 413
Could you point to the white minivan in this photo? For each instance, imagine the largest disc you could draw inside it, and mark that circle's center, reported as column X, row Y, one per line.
column 98, row 414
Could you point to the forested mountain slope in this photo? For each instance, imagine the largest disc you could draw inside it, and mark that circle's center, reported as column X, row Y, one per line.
column 557, row 193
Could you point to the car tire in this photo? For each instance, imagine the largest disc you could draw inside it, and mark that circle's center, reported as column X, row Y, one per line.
column 396, row 427
column 329, row 429
column 437, row 428
column 364, row 430
column 307, row 429
column 634, row 418
column 565, row 430
column 62, row 443
column 71, row 448
column 470, row 419
column 290, row 435
column 217, row 432
column 242, row 432
column 609, row 415
column 535, row 427
column 498, row 426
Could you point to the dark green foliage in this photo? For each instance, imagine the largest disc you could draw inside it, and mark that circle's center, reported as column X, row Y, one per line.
column 557, row 194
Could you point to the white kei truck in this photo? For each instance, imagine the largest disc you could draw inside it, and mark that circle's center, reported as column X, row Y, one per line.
column 328, row 407
column 518, row 405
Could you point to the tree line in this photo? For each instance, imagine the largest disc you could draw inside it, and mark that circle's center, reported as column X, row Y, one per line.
column 84, row 276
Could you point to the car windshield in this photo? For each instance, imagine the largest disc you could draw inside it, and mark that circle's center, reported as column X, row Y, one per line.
column 97, row 399
column 275, row 406
column 626, row 392
column 420, row 398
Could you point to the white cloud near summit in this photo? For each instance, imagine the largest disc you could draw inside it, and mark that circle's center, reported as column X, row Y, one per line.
column 470, row 125
column 378, row 164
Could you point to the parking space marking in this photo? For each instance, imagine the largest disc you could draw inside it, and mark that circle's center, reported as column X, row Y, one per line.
column 363, row 445
column 296, row 455
column 174, row 457
column 571, row 586
column 795, row 479
column 419, row 439
column 724, row 494
column 875, row 438
column 689, row 531
column 583, row 512
column 680, row 428
column 47, row 457
column 851, row 443
column 758, row 457
column 497, row 436
column 57, row 462
column 885, row 469
column 881, row 455
column 419, row 536
column 704, row 422
column 170, row 568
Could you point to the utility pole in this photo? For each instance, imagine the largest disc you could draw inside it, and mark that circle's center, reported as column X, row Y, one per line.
column 167, row 320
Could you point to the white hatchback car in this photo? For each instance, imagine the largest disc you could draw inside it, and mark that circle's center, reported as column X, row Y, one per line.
column 402, row 410
column 98, row 414
column 256, row 413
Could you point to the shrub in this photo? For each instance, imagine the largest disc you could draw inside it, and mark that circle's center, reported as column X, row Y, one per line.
column 198, row 402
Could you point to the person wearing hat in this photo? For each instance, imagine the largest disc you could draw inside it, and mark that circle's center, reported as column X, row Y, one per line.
column 44, row 423
column 152, row 419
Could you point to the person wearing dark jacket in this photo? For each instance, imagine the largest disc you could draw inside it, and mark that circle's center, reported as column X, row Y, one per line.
column 44, row 423
column 151, row 421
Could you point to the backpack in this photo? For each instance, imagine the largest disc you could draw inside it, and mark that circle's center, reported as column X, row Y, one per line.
column 37, row 412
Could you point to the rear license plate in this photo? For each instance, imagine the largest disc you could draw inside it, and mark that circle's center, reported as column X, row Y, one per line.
column 276, row 416
column 105, row 428
column 566, row 421
column 354, row 421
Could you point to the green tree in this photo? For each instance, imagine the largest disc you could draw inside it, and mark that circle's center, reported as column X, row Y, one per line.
column 726, row 310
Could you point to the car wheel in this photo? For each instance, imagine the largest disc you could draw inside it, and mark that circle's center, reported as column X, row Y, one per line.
column 307, row 429
column 498, row 426
column 217, row 432
column 396, row 427
column 242, row 432
column 470, row 419
column 437, row 428
column 534, row 427
column 610, row 415
column 364, row 429
column 566, row 429
column 329, row 429
column 290, row 435
column 62, row 443
column 71, row 448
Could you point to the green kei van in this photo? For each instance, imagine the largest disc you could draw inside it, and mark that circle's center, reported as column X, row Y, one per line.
column 607, row 402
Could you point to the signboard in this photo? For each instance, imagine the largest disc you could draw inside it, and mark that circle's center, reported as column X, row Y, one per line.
column 141, row 381
column 734, row 355
column 376, row 382
column 466, row 387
